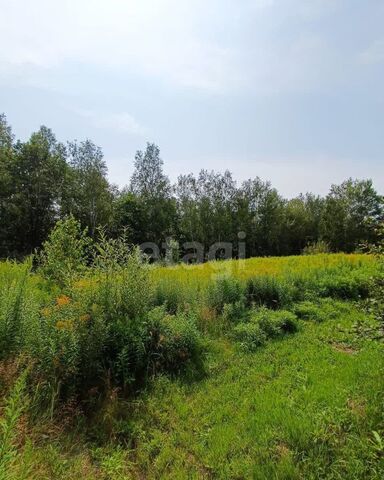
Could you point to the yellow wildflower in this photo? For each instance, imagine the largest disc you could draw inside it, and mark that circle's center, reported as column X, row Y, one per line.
column 62, row 300
column 82, row 283
column 64, row 325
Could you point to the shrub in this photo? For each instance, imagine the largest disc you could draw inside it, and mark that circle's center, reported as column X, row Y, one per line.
column 65, row 254
column 249, row 335
column 60, row 342
column 317, row 247
column 121, row 284
column 319, row 311
column 275, row 323
column 309, row 311
column 346, row 286
column 264, row 324
column 173, row 341
column 97, row 329
column 269, row 291
column 234, row 312
column 169, row 295
column 226, row 290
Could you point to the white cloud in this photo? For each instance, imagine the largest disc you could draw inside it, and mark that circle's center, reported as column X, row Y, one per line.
column 190, row 43
column 155, row 37
column 119, row 122
column 373, row 54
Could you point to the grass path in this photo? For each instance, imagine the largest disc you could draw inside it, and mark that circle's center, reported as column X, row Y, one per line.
column 302, row 407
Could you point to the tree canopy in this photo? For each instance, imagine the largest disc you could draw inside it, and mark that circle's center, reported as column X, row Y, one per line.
column 43, row 181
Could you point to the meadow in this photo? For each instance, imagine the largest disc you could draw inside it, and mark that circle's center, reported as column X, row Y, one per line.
column 261, row 368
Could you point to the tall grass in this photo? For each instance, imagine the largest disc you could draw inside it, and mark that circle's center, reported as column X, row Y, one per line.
column 14, row 406
column 124, row 319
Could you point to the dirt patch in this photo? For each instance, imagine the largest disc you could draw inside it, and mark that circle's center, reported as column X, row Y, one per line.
column 282, row 450
column 357, row 406
column 343, row 348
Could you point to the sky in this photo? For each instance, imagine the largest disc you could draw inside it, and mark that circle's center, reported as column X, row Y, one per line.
column 291, row 91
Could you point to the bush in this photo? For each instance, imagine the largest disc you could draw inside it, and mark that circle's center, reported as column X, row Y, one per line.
column 264, row 324
column 65, row 254
column 226, row 290
column 169, row 295
column 174, row 341
column 275, row 323
column 345, row 286
column 249, row 335
column 319, row 311
column 235, row 312
column 315, row 248
column 269, row 291
column 309, row 311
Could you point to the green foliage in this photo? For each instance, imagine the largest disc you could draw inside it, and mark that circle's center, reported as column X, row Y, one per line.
column 14, row 310
column 87, row 194
column 175, row 342
column 172, row 252
column 15, row 405
column 225, row 290
column 315, row 248
column 235, row 312
column 34, row 175
column 262, row 325
column 352, row 212
column 275, row 323
column 65, row 254
column 269, row 291
column 351, row 286
column 319, row 311
column 43, row 180
column 249, row 335
column 102, row 338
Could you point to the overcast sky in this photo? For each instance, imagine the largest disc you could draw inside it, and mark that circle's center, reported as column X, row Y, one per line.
column 288, row 90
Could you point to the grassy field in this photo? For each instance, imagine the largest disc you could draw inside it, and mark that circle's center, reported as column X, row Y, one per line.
column 282, row 372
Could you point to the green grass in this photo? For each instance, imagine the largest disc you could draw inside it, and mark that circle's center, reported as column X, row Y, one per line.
column 303, row 406
column 262, row 369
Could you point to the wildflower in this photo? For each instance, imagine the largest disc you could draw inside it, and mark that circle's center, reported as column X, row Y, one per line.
column 62, row 300
column 45, row 312
column 82, row 283
column 64, row 325
column 85, row 318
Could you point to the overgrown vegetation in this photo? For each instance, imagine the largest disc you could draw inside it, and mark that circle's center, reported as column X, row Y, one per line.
column 262, row 368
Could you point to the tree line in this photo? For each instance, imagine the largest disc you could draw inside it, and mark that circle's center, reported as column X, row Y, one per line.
column 43, row 180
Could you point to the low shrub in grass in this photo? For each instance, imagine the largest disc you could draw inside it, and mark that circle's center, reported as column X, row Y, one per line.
column 65, row 254
column 275, row 323
column 264, row 324
column 225, row 290
column 320, row 309
column 249, row 335
column 308, row 310
column 173, row 341
column 170, row 295
column 269, row 291
column 235, row 312
column 344, row 286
